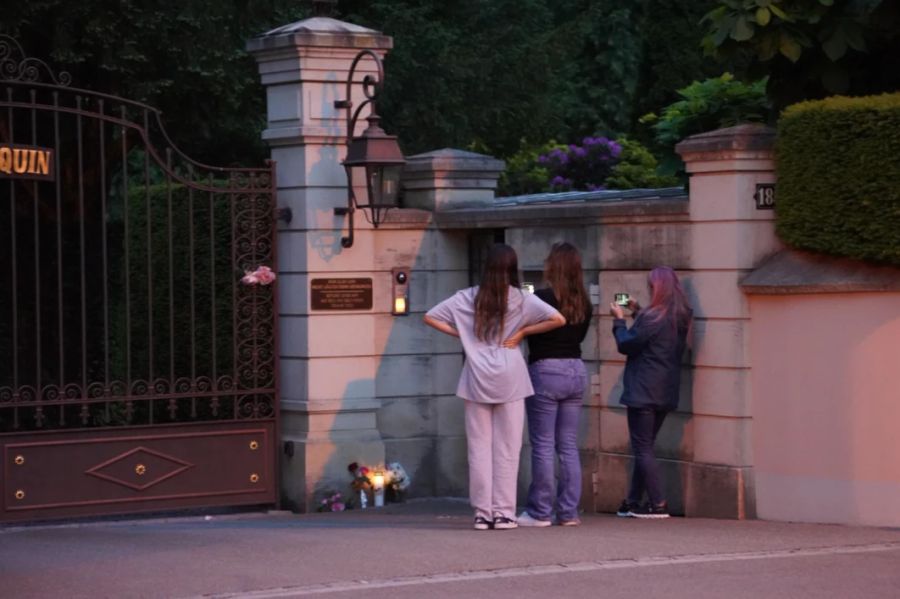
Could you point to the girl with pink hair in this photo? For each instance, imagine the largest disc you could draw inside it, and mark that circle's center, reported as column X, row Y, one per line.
column 654, row 346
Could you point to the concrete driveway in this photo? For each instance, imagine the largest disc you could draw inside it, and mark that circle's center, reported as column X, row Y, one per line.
column 427, row 548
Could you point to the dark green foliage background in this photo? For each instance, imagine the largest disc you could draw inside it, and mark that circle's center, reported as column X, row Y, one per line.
column 491, row 75
column 838, row 168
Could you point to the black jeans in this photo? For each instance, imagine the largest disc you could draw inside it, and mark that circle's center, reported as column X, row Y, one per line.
column 643, row 426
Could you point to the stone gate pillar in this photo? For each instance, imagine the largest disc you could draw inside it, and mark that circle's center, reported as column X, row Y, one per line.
column 730, row 235
column 328, row 397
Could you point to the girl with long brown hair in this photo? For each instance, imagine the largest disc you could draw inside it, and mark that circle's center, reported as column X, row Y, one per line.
column 559, row 378
column 494, row 379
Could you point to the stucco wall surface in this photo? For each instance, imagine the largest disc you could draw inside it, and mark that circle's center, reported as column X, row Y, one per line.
column 826, row 407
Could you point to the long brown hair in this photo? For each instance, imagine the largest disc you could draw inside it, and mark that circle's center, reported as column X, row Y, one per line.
column 562, row 271
column 500, row 272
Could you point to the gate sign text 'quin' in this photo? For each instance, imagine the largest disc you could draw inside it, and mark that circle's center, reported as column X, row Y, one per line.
column 26, row 162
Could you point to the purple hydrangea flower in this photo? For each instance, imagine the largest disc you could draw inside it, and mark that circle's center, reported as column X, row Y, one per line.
column 614, row 149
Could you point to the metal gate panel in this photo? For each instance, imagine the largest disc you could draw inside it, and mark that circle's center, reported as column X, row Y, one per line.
column 138, row 367
column 125, row 471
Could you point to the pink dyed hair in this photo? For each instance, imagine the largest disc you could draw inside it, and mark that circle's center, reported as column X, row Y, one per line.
column 667, row 296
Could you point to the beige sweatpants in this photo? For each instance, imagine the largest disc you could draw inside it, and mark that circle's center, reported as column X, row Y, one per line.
column 494, row 434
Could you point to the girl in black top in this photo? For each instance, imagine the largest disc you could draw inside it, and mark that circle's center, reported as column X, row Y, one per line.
column 559, row 379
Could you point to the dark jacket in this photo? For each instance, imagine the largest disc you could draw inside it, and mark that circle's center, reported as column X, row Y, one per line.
column 653, row 367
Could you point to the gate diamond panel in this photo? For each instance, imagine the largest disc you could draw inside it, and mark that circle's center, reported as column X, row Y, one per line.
column 139, row 468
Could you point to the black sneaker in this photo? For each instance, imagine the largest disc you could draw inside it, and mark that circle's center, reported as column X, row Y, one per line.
column 651, row 512
column 625, row 509
column 482, row 524
column 501, row 523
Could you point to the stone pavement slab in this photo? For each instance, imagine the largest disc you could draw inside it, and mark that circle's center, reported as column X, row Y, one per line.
column 427, row 548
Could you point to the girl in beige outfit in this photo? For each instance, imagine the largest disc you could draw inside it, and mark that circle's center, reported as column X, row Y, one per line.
column 490, row 321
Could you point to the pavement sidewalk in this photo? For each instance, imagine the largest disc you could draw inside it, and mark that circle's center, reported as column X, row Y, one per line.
column 427, row 548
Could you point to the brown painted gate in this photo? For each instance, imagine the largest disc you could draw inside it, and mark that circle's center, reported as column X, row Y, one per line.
column 137, row 371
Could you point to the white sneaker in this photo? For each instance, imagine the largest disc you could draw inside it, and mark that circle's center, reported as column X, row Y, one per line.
column 525, row 519
column 503, row 523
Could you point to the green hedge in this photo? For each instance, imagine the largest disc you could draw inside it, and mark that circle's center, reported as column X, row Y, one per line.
column 838, row 165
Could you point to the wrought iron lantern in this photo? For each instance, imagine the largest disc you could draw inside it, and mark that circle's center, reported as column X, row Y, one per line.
column 375, row 152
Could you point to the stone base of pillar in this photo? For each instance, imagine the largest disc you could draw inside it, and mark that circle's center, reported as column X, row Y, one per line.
column 319, row 467
column 692, row 489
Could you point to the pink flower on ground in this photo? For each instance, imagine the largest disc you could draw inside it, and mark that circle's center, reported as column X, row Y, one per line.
column 337, row 507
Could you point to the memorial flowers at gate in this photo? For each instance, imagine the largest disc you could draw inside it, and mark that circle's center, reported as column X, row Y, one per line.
column 392, row 479
column 263, row 275
column 332, row 502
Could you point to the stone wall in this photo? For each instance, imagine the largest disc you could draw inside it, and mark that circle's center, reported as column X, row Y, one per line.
column 365, row 385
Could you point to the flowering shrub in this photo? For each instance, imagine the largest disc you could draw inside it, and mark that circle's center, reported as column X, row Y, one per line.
column 637, row 168
column 523, row 174
column 584, row 166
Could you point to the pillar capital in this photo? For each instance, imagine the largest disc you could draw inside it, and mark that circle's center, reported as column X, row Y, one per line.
column 304, row 68
column 446, row 179
column 748, row 147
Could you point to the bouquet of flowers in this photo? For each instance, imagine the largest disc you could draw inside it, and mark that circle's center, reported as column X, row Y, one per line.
column 395, row 479
column 263, row 275
column 361, row 477
column 332, row 502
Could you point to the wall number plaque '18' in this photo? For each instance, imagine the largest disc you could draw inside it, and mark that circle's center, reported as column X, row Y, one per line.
column 765, row 196
column 341, row 294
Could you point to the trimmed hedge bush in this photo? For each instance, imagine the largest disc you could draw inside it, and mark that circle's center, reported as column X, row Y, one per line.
column 838, row 165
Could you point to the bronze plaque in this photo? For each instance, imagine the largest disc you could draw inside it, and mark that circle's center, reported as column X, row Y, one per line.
column 341, row 294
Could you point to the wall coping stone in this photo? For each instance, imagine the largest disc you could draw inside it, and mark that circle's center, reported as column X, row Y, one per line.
column 450, row 159
column 553, row 213
column 562, row 197
column 320, row 31
column 749, row 137
column 795, row 272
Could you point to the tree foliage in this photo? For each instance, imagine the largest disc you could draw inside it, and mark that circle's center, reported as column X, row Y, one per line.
column 494, row 74
column 705, row 106
column 810, row 48
column 185, row 57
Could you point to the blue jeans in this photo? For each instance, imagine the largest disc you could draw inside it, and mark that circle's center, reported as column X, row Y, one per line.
column 643, row 427
column 553, row 413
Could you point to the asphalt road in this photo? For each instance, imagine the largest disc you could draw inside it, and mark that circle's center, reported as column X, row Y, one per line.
column 427, row 549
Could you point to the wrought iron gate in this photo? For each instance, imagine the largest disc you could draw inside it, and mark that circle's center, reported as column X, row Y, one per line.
column 137, row 371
